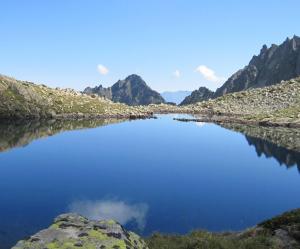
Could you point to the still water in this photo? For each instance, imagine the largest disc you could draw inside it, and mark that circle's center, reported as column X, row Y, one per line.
column 150, row 175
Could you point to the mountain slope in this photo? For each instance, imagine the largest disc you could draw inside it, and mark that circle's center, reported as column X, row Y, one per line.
column 277, row 105
column 199, row 95
column 132, row 91
column 271, row 66
column 175, row 97
column 22, row 99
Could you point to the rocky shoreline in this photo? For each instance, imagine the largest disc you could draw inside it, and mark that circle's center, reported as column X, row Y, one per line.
column 73, row 231
column 225, row 119
column 277, row 105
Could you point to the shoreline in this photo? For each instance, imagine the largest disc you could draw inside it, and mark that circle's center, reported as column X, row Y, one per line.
column 232, row 119
column 73, row 230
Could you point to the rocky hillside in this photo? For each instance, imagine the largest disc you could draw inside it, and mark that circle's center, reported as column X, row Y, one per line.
column 270, row 67
column 132, row 91
column 273, row 105
column 202, row 94
column 22, row 99
column 71, row 231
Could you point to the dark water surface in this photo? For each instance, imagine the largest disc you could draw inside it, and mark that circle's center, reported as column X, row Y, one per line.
column 150, row 175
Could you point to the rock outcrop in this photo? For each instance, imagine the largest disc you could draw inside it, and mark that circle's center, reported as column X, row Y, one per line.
column 132, row 91
column 72, row 231
column 202, row 94
column 270, row 67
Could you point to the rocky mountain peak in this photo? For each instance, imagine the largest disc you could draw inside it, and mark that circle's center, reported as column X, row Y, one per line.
column 202, row 94
column 133, row 90
column 271, row 66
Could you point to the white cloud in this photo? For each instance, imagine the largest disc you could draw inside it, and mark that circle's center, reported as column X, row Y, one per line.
column 177, row 73
column 102, row 69
column 209, row 74
column 119, row 211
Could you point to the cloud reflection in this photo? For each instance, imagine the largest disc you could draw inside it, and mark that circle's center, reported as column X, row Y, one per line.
column 112, row 209
column 200, row 124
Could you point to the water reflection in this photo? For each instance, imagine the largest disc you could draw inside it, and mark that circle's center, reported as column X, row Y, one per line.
column 283, row 144
column 22, row 133
column 112, row 209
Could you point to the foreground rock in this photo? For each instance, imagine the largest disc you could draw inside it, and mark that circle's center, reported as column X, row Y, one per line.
column 71, row 231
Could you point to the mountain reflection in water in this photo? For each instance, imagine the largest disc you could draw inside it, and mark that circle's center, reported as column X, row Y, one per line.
column 283, row 144
column 22, row 133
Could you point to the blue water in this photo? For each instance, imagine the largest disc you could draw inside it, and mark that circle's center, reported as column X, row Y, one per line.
column 150, row 175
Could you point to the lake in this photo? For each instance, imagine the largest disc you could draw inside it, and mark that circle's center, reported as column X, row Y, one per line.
column 150, row 175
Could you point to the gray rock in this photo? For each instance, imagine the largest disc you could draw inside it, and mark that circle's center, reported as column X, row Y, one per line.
column 75, row 231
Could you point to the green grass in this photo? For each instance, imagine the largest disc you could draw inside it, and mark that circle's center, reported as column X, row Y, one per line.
column 207, row 240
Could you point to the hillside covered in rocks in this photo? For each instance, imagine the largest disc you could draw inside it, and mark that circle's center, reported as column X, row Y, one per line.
column 22, row 99
column 270, row 67
column 277, row 105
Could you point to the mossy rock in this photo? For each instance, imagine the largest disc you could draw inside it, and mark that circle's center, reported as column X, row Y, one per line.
column 72, row 231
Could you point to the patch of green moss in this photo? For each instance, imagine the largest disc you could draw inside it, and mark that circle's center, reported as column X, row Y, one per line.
column 97, row 235
column 119, row 244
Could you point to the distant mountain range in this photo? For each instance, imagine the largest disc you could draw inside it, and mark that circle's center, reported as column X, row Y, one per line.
column 132, row 91
column 271, row 66
column 176, row 96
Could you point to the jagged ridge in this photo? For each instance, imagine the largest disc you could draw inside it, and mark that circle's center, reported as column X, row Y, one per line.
column 132, row 91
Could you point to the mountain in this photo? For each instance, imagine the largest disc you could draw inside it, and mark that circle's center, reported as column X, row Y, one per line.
column 26, row 100
column 199, row 95
column 132, row 91
column 99, row 90
column 276, row 105
column 270, row 67
column 175, row 97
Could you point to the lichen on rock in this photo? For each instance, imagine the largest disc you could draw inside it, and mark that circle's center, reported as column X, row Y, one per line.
column 72, row 231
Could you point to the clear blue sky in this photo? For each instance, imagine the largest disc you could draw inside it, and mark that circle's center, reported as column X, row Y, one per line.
column 62, row 42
